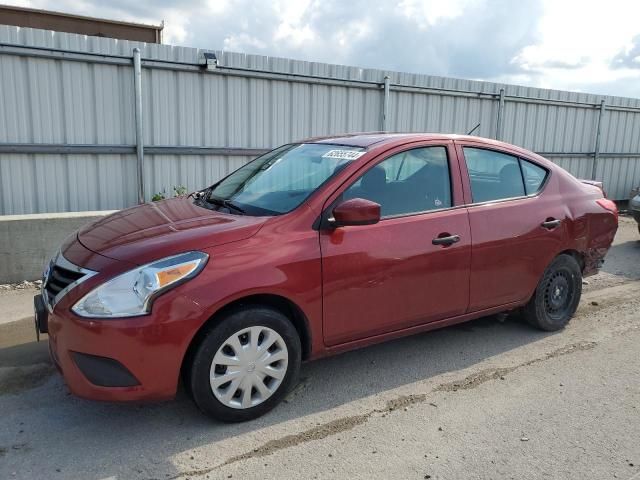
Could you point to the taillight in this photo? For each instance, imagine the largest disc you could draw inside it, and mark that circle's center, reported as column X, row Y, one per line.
column 609, row 205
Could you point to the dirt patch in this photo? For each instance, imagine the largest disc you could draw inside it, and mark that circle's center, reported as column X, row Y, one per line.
column 405, row 401
column 18, row 379
column 315, row 433
column 24, row 285
column 486, row 375
column 476, row 379
column 312, row 434
column 608, row 297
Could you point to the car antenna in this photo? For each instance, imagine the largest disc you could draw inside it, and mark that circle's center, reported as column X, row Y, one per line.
column 473, row 129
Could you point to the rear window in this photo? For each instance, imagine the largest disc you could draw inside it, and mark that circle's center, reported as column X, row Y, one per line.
column 534, row 176
column 498, row 176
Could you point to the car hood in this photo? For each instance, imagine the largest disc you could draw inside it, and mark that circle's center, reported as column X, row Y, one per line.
column 155, row 230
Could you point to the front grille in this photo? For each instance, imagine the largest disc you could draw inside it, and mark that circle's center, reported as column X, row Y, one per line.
column 59, row 279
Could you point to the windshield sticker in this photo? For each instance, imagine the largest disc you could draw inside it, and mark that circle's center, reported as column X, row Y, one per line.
column 343, row 154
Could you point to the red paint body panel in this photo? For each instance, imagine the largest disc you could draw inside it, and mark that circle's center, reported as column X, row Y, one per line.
column 354, row 285
column 357, row 211
column 151, row 348
column 390, row 276
column 511, row 249
column 139, row 234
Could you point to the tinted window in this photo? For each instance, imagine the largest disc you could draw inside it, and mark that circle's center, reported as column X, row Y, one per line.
column 533, row 176
column 493, row 175
column 409, row 182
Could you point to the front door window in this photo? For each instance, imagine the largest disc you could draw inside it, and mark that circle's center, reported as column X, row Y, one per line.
column 407, row 183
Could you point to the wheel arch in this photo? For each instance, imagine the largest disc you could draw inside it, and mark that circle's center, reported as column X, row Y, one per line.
column 578, row 256
column 278, row 302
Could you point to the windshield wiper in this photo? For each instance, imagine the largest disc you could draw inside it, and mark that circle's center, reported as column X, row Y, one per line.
column 230, row 204
column 225, row 203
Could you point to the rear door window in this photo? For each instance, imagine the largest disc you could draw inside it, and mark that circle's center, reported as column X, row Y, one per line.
column 493, row 175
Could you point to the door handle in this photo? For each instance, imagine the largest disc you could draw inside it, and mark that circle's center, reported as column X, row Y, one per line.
column 446, row 241
column 551, row 224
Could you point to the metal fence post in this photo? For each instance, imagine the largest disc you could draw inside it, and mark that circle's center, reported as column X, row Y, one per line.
column 596, row 152
column 500, row 116
column 385, row 105
column 137, row 83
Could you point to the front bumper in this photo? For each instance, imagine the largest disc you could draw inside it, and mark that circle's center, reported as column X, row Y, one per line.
column 129, row 359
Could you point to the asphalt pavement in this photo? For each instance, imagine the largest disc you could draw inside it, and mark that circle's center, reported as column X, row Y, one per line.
column 488, row 399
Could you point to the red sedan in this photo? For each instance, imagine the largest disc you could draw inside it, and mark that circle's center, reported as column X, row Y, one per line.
column 312, row 249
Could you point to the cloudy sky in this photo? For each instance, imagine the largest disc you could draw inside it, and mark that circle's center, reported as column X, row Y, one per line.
column 583, row 45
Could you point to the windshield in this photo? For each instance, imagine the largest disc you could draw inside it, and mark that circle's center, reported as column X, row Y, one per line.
column 280, row 180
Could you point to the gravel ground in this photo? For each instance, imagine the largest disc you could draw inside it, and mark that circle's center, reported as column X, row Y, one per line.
column 24, row 285
column 623, row 260
column 485, row 399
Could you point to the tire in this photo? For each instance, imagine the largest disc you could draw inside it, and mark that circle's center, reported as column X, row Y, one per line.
column 222, row 356
column 557, row 295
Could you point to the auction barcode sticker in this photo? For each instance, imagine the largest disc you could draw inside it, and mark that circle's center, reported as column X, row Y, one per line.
column 343, row 154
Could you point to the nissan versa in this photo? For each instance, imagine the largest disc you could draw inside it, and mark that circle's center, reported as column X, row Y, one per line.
column 312, row 249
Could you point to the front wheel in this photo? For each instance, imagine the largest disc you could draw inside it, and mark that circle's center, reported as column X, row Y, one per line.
column 246, row 364
column 557, row 295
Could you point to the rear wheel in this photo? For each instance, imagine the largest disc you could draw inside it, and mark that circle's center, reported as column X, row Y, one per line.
column 557, row 295
column 246, row 364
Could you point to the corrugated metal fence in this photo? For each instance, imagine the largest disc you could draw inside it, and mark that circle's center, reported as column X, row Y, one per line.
column 68, row 118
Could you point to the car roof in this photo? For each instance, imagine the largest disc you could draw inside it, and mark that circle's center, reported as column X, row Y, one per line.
column 368, row 139
column 377, row 139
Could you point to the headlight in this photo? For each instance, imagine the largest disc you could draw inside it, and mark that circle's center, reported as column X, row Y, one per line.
column 131, row 294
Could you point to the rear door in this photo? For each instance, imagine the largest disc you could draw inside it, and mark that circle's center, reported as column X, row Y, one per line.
column 395, row 274
column 517, row 223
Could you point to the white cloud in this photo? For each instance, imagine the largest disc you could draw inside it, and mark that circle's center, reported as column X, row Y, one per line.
column 585, row 45
column 578, row 40
column 428, row 12
column 243, row 40
column 298, row 35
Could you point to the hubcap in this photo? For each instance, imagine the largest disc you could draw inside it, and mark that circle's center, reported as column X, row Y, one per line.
column 249, row 367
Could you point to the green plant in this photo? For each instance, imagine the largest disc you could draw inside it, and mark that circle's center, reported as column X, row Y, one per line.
column 178, row 191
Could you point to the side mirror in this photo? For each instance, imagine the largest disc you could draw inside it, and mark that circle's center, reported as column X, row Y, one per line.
column 356, row 211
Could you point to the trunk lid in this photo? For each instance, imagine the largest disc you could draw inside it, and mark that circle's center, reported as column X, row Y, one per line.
column 594, row 183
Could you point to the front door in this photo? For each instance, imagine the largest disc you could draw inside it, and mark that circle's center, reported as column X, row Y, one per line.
column 398, row 272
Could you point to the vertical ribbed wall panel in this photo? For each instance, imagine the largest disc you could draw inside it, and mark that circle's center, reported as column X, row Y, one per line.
column 579, row 167
column 76, row 102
